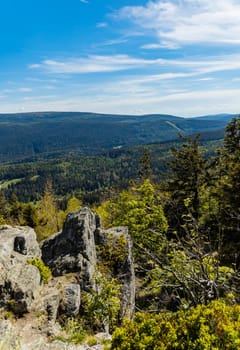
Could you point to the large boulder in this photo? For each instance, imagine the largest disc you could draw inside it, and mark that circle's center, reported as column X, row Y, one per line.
column 20, row 282
column 73, row 249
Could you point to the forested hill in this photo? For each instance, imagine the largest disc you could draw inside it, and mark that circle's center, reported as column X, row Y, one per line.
column 46, row 135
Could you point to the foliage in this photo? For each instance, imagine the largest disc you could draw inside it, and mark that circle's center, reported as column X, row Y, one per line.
column 101, row 306
column 57, row 134
column 186, row 176
column 186, row 237
column 30, row 215
column 114, row 252
column 70, row 173
column 73, row 332
column 73, row 204
column 144, row 165
column 47, row 214
column 228, row 184
column 44, row 270
column 141, row 210
column 212, row 327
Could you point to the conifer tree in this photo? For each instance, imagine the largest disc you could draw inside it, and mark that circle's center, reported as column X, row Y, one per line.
column 4, row 210
column 144, row 166
column 229, row 190
column 186, row 175
column 47, row 214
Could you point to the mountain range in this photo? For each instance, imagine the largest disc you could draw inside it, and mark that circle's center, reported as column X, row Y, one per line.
column 44, row 135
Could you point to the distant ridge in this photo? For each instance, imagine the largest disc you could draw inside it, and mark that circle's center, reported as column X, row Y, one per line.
column 54, row 134
column 223, row 116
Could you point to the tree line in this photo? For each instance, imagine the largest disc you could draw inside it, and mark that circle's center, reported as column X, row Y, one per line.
column 186, row 235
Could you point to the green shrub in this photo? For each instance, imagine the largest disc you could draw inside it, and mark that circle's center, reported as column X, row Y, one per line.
column 114, row 252
column 215, row 326
column 101, row 306
column 44, row 270
column 73, row 332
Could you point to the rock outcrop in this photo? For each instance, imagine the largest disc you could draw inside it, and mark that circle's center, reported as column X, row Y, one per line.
column 20, row 282
column 73, row 250
column 72, row 255
column 119, row 243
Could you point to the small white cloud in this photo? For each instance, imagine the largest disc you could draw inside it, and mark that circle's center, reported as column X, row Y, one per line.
column 24, row 89
column 84, row 1
column 101, row 25
column 113, row 42
column 35, row 65
column 151, row 46
column 207, row 79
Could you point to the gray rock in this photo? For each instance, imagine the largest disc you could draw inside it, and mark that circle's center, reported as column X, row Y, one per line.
column 122, row 270
column 51, row 304
column 73, row 249
column 71, row 300
column 23, row 284
column 8, row 338
column 19, row 282
column 21, row 240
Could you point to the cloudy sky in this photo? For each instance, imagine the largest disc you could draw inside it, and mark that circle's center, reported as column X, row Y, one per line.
column 178, row 57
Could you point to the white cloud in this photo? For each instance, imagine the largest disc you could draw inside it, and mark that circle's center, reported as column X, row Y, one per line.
column 13, row 90
column 94, row 64
column 151, row 46
column 101, row 25
column 178, row 23
column 202, row 102
column 112, row 42
column 24, row 89
column 114, row 63
column 206, row 79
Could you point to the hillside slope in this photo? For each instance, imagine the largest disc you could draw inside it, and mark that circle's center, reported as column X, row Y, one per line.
column 54, row 134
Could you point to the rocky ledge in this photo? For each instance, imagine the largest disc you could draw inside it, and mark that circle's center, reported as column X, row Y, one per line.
column 73, row 256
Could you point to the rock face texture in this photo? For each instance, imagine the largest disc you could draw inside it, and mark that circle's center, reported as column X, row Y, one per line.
column 118, row 241
column 71, row 300
column 19, row 282
column 73, row 249
column 8, row 339
column 72, row 255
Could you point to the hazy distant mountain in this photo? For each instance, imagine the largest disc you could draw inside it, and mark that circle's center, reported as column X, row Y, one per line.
column 51, row 134
column 226, row 117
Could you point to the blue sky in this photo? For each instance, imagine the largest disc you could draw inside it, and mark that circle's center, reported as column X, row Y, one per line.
column 178, row 57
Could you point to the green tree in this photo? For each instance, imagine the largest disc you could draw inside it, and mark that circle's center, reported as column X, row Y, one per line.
column 228, row 190
column 144, row 165
column 4, row 209
column 140, row 208
column 16, row 211
column 73, row 204
column 185, row 178
column 30, row 215
column 47, row 214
